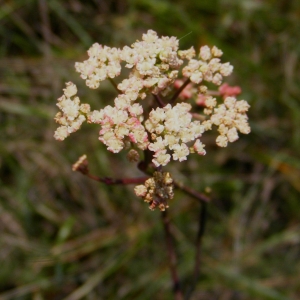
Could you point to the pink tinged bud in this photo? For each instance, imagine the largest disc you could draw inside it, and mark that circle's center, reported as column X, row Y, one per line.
column 105, row 130
column 199, row 147
column 178, row 83
column 201, row 100
column 227, row 90
column 132, row 138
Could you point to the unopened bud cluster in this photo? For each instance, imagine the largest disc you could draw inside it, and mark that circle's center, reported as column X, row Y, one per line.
column 156, row 190
column 168, row 129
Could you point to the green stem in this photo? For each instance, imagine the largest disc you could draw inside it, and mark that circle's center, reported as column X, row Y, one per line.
column 114, row 84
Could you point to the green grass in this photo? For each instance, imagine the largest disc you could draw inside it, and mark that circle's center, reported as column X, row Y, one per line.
column 63, row 236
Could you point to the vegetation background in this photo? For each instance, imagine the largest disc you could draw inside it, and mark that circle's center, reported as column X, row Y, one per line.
column 63, row 236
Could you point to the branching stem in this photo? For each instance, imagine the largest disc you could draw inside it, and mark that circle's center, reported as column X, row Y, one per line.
column 82, row 167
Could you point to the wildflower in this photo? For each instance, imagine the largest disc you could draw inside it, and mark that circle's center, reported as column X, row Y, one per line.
column 170, row 132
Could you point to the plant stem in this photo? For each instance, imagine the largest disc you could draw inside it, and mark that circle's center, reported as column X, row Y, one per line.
column 159, row 100
column 175, row 96
column 114, row 84
column 201, row 228
column 112, row 181
column 171, row 256
column 199, row 196
column 213, row 93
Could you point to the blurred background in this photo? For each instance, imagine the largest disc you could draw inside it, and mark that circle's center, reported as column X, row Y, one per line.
column 63, row 236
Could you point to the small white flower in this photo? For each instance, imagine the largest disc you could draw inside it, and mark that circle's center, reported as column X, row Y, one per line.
column 61, row 133
column 180, row 152
column 222, row 141
column 161, row 158
column 205, row 53
column 70, row 90
column 199, row 147
column 210, row 102
column 216, row 52
column 226, row 69
column 232, row 135
column 159, row 145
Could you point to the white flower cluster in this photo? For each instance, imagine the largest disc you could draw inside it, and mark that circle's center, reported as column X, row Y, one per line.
column 157, row 190
column 154, row 62
column 230, row 117
column 208, row 67
column 120, row 125
column 103, row 62
column 169, row 131
column 171, row 128
column 73, row 113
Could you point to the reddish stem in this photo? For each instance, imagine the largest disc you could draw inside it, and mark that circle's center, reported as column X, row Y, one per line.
column 111, row 181
column 159, row 100
column 199, row 196
column 171, row 256
column 201, row 228
column 175, row 96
